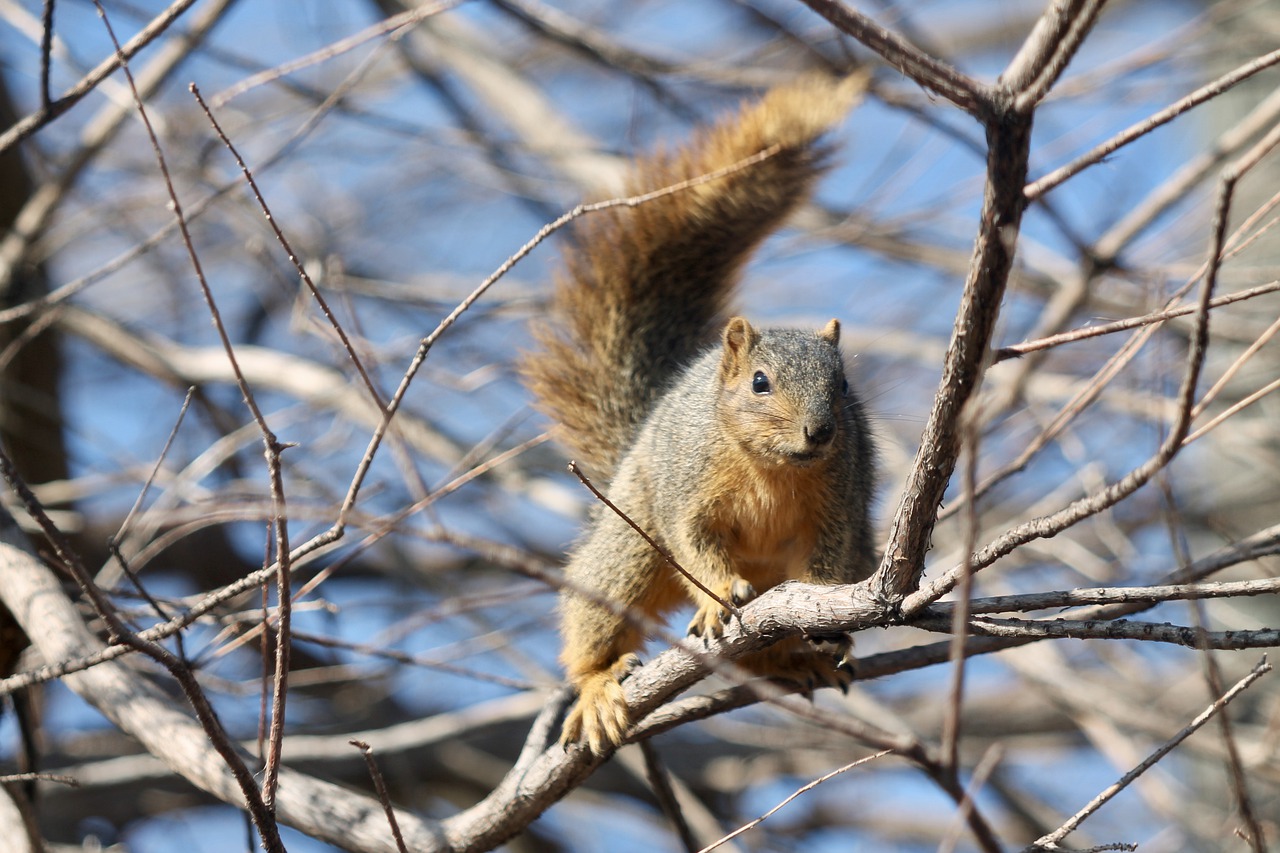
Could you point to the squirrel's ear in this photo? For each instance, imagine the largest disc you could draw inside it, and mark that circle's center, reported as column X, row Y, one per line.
column 739, row 339
column 830, row 332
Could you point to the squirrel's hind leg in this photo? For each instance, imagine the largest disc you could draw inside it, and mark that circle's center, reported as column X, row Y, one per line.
column 800, row 660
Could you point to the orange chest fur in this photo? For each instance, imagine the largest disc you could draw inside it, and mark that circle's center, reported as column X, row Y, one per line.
column 768, row 519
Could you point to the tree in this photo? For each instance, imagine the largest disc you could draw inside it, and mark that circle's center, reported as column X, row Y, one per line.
column 327, row 517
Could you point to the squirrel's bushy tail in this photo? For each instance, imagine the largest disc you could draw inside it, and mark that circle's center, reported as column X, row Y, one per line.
column 644, row 287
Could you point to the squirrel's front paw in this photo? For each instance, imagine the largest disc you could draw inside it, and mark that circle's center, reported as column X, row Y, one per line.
column 711, row 617
column 600, row 716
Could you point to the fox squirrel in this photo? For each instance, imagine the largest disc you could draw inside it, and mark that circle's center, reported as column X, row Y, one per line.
column 749, row 461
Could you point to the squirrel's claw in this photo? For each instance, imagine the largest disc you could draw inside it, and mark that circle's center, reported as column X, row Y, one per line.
column 838, row 647
column 600, row 716
column 709, row 621
column 741, row 592
column 711, row 617
column 814, row 671
column 810, row 663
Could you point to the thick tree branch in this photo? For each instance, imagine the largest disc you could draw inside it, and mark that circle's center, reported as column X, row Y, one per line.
column 1002, row 207
column 127, row 697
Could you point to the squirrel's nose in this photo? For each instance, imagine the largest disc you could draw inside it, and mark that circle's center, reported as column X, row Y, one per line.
column 819, row 434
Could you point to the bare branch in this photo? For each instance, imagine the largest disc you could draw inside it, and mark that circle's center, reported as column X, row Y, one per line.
column 930, row 73
column 1121, row 629
column 23, row 128
column 1050, row 841
column 381, row 787
column 1137, row 130
column 912, row 527
column 803, row 789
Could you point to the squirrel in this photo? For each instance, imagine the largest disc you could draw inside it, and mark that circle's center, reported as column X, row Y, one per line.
column 750, row 461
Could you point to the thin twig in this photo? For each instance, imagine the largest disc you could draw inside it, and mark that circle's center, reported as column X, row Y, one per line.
column 1116, row 595
column 951, row 722
column 986, row 766
column 60, row 779
column 924, row 69
column 422, row 660
column 1048, row 842
column 1139, row 129
column 803, row 789
column 1255, row 836
column 1236, row 365
column 1226, row 413
column 660, row 782
column 155, row 469
column 666, row 555
column 1045, row 53
column 1017, row 350
column 120, row 633
column 1103, row 629
column 381, row 787
column 272, row 446
column 288, row 249
column 113, row 544
column 329, row 51
column 28, row 125
column 46, row 51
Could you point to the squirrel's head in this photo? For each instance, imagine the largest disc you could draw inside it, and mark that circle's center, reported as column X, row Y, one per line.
column 783, row 391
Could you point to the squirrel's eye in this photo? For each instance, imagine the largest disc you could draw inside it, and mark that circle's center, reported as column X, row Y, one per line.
column 760, row 383
column 844, row 388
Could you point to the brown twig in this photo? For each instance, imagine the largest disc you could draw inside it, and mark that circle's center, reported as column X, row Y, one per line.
column 1235, row 367
column 899, row 53
column 272, row 445
column 288, row 249
column 951, row 722
column 46, row 49
column 28, row 125
column 121, row 634
column 660, row 783
column 1018, row 350
column 421, row 660
column 1044, row 54
column 803, row 789
column 58, row 778
column 381, row 787
column 986, row 766
column 1139, row 129
column 1255, row 836
column 387, row 25
column 1050, row 841
column 1117, row 595
column 1226, row 413
column 1120, row 629
column 113, row 544
column 654, row 544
